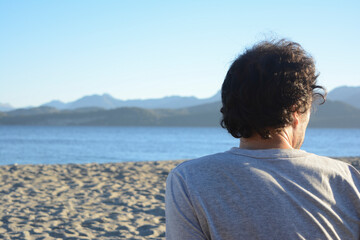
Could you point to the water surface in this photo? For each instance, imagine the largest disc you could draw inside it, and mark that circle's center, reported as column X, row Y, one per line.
column 49, row 145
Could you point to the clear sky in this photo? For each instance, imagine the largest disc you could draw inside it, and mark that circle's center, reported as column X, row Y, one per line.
column 131, row 49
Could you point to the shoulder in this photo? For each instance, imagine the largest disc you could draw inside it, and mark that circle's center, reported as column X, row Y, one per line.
column 336, row 169
column 334, row 164
column 202, row 162
column 202, row 168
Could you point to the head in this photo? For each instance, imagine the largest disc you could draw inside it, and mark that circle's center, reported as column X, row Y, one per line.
column 268, row 88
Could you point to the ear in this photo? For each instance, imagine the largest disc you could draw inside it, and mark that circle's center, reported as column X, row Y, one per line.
column 296, row 119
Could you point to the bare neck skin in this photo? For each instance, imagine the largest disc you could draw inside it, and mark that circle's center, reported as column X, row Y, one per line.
column 282, row 140
column 290, row 137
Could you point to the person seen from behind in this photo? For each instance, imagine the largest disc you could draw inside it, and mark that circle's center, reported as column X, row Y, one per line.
column 267, row 188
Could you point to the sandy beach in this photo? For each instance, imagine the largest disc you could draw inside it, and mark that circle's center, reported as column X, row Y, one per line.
column 89, row 201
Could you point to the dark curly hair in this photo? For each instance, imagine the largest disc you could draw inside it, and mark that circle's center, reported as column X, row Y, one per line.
column 265, row 86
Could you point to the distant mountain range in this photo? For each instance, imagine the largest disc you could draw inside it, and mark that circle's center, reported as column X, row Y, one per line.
column 333, row 114
column 104, row 110
column 349, row 95
column 204, row 115
column 4, row 107
column 106, row 101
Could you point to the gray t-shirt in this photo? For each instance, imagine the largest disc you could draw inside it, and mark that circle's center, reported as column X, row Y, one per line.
column 263, row 194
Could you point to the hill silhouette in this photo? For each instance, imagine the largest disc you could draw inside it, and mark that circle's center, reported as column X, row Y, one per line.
column 106, row 101
column 5, row 107
column 333, row 114
column 349, row 95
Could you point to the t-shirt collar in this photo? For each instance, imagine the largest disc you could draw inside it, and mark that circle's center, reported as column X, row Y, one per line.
column 268, row 153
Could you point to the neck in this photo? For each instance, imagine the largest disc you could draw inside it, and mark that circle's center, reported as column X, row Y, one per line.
column 281, row 140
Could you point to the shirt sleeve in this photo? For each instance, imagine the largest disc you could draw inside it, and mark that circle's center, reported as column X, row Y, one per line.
column 181, row 220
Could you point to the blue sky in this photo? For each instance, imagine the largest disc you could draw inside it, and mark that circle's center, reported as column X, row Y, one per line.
column 148, row 49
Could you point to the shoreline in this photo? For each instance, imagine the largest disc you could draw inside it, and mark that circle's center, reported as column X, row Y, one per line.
column 347, row 159
column 87, row 201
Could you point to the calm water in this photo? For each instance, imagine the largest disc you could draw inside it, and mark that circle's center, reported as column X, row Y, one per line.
column 48, row 145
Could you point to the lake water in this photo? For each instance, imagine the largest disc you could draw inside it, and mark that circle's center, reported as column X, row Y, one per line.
column 53, row 145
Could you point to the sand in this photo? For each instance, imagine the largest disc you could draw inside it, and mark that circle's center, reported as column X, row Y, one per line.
column 89, row 201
